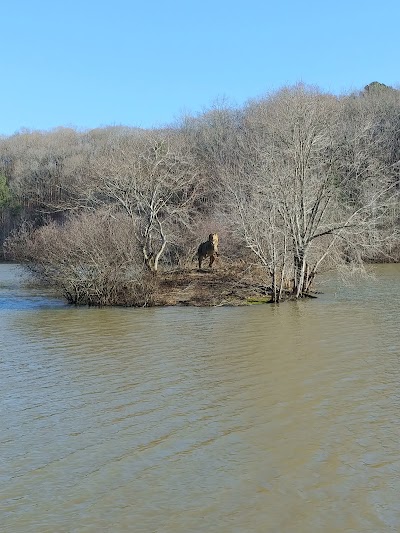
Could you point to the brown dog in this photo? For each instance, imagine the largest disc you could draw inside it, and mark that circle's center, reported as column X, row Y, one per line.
column 208, row 249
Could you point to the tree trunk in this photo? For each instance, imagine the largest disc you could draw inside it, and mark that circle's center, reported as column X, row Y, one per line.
column 300, row 267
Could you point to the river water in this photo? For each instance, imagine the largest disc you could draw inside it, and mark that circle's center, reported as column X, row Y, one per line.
column 260, row 419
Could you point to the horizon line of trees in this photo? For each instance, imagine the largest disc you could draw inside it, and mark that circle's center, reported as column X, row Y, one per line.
column 297, row 182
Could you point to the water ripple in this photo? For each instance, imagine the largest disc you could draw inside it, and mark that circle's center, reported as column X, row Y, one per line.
column 259, row 419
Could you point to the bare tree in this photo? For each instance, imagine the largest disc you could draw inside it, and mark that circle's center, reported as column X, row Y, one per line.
column 293, row 201
column 154, row 180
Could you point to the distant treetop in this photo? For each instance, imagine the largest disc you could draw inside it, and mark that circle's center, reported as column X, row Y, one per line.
column 376, row 87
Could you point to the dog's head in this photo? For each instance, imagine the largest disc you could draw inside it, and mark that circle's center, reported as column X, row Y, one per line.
column 213, row 238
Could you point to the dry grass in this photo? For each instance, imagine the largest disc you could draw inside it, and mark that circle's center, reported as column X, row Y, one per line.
column 231, row 284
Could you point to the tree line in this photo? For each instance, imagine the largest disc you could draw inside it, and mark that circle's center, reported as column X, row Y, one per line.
column 296, row 182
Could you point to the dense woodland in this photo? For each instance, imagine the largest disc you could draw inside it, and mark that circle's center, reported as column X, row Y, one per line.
column 295, row 183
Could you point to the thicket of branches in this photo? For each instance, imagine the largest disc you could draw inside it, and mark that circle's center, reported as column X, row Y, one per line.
column 302, row 179
column 91, row 259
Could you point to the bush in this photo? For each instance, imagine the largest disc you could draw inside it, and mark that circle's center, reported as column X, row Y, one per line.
column 92, row 259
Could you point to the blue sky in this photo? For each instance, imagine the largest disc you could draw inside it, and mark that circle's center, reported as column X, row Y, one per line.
column 144, row 63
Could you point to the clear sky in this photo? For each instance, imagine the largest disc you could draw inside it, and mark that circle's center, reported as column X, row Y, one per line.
column 144, row 63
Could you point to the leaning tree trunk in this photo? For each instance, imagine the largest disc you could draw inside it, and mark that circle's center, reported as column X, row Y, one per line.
column 152, row 257
column 162, row 246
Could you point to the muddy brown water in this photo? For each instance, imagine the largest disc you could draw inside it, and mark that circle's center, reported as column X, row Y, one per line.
column 256, row 419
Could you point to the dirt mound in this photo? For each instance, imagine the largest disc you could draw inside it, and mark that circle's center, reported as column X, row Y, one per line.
column 228, row 285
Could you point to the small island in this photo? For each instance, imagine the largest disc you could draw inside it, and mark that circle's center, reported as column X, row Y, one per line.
column 293, row 184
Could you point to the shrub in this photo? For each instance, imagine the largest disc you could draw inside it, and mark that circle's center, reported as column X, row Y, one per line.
column 92, row 259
